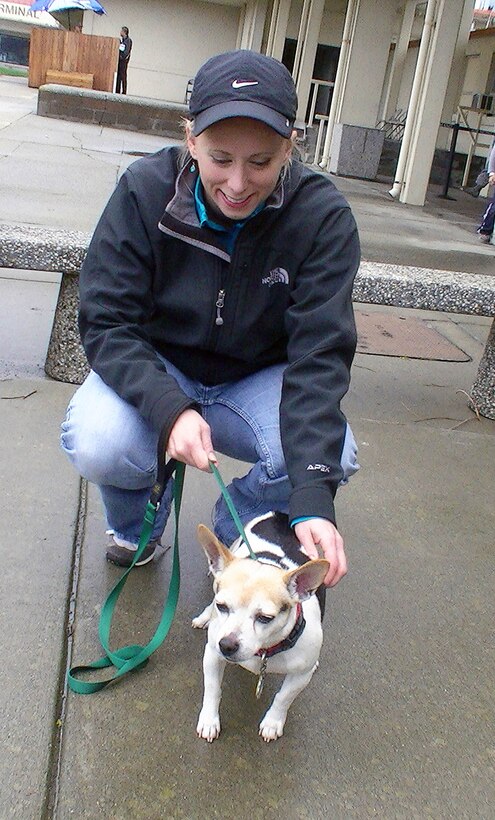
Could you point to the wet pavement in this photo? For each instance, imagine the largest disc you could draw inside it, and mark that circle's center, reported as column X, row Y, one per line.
column 398, row 720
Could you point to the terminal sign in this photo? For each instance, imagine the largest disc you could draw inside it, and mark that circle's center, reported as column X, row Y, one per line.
column 21, row 12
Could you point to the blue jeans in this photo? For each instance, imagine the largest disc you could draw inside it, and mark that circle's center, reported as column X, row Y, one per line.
column 110, row 444
column 488, row 218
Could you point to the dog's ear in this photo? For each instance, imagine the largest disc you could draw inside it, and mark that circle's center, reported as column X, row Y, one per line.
column 218, row 555
column 304, row 581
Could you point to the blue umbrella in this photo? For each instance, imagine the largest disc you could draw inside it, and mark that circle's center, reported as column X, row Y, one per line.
column 58, row 7
column 67, row 5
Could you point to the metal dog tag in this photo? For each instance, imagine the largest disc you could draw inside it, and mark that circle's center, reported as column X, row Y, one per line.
column 261, row 680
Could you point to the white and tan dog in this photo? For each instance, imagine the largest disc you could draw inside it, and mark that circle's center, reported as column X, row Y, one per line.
column 264, row 617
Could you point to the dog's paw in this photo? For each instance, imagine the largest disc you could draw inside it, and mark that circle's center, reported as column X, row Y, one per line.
column 199, row 623
column 208, row 727
column 271, row 729
column 202, row 621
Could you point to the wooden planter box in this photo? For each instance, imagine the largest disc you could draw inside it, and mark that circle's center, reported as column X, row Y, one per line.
column 73, row 58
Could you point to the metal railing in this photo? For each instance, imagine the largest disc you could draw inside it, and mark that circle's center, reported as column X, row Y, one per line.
column 394, row 126
column 321, row 118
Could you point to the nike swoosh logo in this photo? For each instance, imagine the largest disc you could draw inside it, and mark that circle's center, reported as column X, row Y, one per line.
column 242, row 83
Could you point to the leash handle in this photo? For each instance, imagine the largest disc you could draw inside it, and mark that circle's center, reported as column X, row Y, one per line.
column 232, row 509
column 128, row 658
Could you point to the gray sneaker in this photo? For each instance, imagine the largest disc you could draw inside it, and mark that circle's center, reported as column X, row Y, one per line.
column 123, row 556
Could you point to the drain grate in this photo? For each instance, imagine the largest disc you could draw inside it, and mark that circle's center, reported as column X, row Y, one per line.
column 387, row 334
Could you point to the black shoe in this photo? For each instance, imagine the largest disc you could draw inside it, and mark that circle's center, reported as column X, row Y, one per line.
column 474, row 191
column 124, row 556
column 485, row 237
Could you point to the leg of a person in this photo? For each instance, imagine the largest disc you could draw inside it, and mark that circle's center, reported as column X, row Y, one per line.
column 124, row 78
column 110, row 444
column 488, row 218
column 244, row 419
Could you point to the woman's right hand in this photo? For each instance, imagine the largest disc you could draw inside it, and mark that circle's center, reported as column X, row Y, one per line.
column 190, row 441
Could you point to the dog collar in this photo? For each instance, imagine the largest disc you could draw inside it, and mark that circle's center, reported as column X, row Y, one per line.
column 290, row 640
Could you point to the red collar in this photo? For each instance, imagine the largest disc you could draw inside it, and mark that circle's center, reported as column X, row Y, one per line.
column 290, row 640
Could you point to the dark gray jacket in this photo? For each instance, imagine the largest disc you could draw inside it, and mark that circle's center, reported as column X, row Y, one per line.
column 125, row 53
column 151, row 281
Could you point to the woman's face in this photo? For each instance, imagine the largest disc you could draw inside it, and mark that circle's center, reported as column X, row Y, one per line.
column 239, row 162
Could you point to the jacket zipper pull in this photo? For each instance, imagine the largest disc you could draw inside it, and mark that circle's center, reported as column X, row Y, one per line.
column 219, row 305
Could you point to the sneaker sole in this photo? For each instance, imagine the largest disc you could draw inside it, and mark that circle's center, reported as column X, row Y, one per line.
column 126, row 565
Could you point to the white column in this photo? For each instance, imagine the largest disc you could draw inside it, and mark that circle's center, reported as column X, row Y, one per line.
column 435, row 76
column 368, row 64
column 251, row 25
column 362, row 65
column 400, row 53
column 278, row 28
column 341, row 76
column 416, row 91
column 457, row 74
column 308, row 53
column 301, row 34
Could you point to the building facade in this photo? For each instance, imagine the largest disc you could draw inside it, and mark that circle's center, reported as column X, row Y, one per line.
column 355, row 62
column 16, row 22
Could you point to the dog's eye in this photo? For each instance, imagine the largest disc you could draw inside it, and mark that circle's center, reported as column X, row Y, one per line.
column 264, row 619
column 223, row 608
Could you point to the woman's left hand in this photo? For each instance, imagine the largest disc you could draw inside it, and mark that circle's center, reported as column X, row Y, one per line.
column 318, row 532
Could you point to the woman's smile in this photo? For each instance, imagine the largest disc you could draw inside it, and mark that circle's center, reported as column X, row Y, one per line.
column 235, row 203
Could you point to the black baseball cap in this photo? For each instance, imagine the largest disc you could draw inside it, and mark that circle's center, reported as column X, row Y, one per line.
column 243, row 84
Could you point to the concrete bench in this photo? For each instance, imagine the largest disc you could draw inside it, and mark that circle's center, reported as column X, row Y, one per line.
column 29, row 248
column 72, row 78
column 122, row 111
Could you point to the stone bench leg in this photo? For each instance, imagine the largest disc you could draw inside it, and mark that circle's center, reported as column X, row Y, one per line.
column 483, row 390
column 65, row 359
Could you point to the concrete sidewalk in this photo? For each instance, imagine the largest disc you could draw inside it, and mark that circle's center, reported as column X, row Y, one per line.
column 398, row 721
column 56, row 173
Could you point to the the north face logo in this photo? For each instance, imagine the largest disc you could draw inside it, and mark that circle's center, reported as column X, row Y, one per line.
column 277, row 275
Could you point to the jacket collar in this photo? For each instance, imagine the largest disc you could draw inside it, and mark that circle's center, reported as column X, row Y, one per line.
column 180, row 218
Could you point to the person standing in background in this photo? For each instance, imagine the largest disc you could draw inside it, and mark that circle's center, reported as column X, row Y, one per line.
column 485, row 230
column 125, row 49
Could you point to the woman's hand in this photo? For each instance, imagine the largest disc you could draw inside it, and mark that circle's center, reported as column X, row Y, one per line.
column 190, row 441
column 318, row 532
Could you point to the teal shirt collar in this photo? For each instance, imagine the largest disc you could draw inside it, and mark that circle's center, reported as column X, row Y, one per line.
column 230, row 234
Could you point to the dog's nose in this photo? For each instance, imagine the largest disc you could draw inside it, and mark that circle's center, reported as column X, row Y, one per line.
column 228, row 645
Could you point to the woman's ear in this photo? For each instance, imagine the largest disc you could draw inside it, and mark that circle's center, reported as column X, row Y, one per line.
column 291, row 144
column 190, row 139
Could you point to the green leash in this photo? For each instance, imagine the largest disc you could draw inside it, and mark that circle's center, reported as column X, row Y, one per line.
column 232, row 509
column 129, row 658
column 132, row 657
